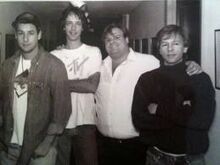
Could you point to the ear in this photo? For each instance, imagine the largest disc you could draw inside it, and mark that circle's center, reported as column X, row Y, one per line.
column 39, row 36
column 127, row 40
column 15, row 33
column 185, row 49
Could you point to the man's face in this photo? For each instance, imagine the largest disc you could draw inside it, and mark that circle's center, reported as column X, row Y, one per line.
column 73, row 27
column 172, row 49
column 27, row 37
column 115, row 43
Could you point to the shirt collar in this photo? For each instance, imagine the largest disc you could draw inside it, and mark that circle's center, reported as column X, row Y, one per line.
column 131, row 56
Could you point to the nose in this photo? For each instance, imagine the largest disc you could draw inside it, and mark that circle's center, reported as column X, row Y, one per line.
column 170, row 47
column 73, row 27
column 111, row 41
column 25, row 37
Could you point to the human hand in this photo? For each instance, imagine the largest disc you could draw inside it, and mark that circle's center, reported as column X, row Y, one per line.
column 187, row 102
column 152, row 108
column 193, row 68
column 94, row 76
column 44, row 147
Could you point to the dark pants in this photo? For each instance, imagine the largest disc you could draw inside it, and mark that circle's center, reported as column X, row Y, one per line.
column 77, row 146
column 155, row 157
column 121, row 152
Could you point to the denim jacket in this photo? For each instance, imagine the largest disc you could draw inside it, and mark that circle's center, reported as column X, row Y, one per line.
column 48, row 102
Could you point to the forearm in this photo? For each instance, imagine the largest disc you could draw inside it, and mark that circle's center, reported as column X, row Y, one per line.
column 196, row 112
column 141, row 117
column 49, row 139
column 179, row 115
column 82, row 86
column 88, row 85
column 204, row 110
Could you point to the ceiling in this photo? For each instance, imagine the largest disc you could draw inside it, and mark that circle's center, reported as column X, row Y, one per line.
column 97, row 9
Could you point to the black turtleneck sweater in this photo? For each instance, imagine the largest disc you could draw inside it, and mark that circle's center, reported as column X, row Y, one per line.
column 185, row 111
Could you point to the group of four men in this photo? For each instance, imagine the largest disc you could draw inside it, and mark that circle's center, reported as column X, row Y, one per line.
column 51, row 108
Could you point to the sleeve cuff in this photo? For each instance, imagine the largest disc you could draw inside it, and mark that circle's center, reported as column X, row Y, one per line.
column 55, row 128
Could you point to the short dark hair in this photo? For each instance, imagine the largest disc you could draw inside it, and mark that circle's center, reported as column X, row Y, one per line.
column 76, row 11
column 26, row 18
column 169, row 30
column 108, row 29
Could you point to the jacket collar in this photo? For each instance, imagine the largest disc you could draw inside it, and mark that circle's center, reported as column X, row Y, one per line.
column 33, row 61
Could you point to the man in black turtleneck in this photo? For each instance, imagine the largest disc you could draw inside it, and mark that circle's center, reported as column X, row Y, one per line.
column 172, row 110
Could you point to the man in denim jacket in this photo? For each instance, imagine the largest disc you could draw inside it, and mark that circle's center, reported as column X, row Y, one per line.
column 34, row 97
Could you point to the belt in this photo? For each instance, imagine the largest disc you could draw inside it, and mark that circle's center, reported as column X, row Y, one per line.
column 168, row 154
column 120, row 141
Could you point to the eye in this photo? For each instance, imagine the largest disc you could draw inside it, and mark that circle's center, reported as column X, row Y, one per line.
column 79, row 23
column 117, row 37
column 32, row 32
column 108, row 40
column 163, row 44
column 67, row 23
column 176, row 43
column 19, row 33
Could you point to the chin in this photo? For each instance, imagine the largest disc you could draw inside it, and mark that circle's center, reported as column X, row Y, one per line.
column 27, row 50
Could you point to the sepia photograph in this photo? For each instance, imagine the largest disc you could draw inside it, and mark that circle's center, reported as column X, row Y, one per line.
column 109, row 82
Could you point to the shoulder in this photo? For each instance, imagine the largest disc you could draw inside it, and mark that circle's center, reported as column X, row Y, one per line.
column 106, row 60
column 7, row 63
column 57, row 52
column 202, row 79
column 146, row 61
column 150, row 74
column 92, row 51
column 91, row 48
column 52, row 60
column 148, row 80
column 146, row 57
column 203, row 85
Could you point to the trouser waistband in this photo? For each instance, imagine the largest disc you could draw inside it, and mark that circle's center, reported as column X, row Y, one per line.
column 180, row 158
column 116, row 140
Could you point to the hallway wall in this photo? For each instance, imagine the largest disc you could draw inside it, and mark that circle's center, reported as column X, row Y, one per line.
column 210, row 22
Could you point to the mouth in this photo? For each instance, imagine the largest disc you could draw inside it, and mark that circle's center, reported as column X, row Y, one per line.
column 25, row 45
column 73, row 33
column 171, row 55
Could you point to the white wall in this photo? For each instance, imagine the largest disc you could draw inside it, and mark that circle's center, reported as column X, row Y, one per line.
column 147, row 19
column 210, row 22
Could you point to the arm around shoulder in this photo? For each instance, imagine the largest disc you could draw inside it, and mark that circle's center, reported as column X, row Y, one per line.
column 88, row 85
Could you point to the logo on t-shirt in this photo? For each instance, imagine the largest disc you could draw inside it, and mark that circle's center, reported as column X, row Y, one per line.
column 76, row 64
